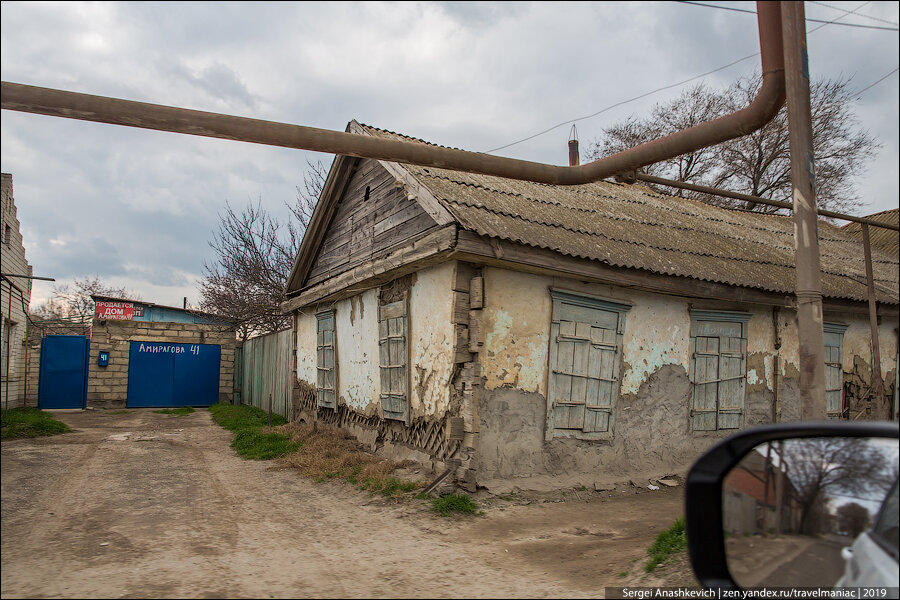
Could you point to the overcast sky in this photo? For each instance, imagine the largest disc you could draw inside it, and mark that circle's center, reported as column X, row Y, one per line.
column 138, row 207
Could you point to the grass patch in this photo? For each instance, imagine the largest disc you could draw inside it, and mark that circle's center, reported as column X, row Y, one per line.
column 29, row 422
column 667, row 543
column 453, row 503
column 256, row 445
column 330, row 453
column 240, row 416
column 180, row 411
column 249, row 424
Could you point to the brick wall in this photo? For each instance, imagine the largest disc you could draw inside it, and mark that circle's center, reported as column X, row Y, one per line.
column 12, row 299
column 108, row 386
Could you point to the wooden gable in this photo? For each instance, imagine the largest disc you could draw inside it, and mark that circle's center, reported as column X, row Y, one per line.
column 372, row 216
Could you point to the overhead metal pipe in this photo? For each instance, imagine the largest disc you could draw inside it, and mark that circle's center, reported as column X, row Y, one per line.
column 765, row 106
column 748, row 198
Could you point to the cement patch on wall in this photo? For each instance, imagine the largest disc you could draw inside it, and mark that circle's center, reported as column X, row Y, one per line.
column 651, row 433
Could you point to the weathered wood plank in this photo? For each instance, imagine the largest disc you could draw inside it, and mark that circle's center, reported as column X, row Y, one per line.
column 430, row 248
column 403, row 232
column 461, row 307
column 476, row 292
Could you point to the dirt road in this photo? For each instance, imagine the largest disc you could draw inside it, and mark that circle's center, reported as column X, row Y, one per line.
column 148, row 505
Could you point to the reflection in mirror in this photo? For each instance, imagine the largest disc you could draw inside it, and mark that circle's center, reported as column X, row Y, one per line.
column 805, row 512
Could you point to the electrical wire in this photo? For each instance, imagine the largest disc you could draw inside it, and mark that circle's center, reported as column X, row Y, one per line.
column 660, row 89
column 810, row 19
column 857, row 14
column 869, row 87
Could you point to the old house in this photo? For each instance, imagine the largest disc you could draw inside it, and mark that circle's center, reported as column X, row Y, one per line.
column 504, row 329
column 15, row 293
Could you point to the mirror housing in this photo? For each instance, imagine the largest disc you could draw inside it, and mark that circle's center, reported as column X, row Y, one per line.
column 703, row 488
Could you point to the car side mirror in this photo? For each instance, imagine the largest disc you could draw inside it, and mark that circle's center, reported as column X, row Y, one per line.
column 780, row 505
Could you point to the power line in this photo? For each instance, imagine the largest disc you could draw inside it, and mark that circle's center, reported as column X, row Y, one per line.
column 644, row 95
column 869, row 87
column 810, row 19
column 857, row 14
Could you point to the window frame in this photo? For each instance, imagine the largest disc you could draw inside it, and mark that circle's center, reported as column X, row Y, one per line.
column 322, row 349
column 559, row 299
column 393, row 325
column 698, row 317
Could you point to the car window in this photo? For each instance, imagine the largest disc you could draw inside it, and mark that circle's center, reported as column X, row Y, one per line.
column 887, row 529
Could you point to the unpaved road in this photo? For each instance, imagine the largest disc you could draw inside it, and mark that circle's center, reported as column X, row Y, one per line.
column 149, row 505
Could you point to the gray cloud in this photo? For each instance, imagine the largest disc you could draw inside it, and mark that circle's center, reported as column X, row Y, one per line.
column 140, row 206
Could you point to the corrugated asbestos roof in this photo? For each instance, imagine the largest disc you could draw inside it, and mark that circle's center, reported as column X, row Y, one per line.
column 632, row 226
column 885, row 239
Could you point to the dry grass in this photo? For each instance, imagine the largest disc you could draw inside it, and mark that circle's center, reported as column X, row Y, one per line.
column 330, row 453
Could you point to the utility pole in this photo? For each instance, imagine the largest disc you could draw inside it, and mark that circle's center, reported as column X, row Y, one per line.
column 806, row 242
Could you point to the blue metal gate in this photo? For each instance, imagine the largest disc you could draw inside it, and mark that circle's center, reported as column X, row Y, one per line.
column 163, row 374
column 62, row 380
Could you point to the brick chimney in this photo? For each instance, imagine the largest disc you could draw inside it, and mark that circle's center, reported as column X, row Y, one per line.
column 574, row 156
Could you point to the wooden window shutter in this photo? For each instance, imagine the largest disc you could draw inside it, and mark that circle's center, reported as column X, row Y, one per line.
column 326, row 369
column 585, row 357
column 718, row 369
column 393, row 349
column 834, row 370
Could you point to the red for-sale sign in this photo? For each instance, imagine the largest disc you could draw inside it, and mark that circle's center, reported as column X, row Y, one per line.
column 113, row 311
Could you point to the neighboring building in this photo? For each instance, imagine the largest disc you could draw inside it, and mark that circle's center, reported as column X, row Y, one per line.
column 757, row 493
column 503, row 329
column 145, row 354
column 15, row 296
column 886, row 240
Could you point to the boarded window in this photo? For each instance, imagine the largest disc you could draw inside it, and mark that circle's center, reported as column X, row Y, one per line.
column 718, row 369
column 326, row 373
column 393, row 361
column 834, row 370
column 585, row 357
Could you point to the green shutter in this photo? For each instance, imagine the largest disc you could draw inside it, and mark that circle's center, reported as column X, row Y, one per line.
column 834, row 371
column 585, row 352
column 718, row 369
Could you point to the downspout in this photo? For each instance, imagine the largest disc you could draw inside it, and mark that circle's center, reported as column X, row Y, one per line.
column 101, row 109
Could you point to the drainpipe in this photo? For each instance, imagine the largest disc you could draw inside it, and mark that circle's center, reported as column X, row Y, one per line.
column 101, row 109
column 806, row 242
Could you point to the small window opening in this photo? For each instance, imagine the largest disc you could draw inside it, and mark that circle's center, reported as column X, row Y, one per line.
column 367, row 193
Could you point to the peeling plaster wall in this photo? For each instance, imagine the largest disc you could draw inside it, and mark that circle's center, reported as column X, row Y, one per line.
column 356, row 334
column 306, row 346
column 516, row 322
column 431, row 337
column 651, row 428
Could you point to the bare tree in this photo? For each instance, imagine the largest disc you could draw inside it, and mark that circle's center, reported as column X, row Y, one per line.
column 254, row 254
column 852, row 518
column 832, row 465
column 757, row 164
column 74, row 302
